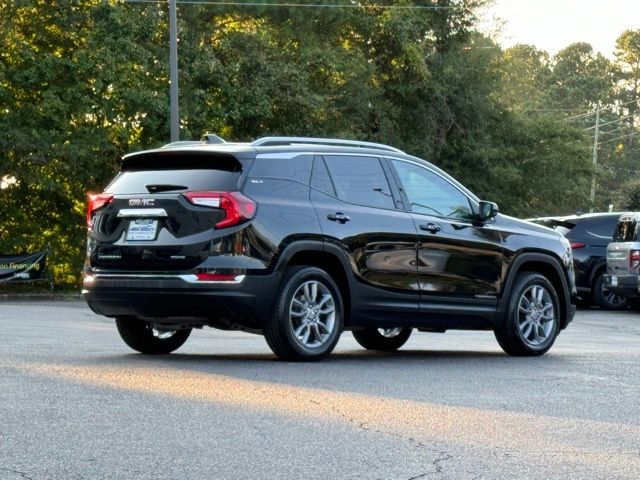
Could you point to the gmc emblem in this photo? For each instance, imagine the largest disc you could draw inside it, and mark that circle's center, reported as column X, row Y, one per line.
column 141, row 202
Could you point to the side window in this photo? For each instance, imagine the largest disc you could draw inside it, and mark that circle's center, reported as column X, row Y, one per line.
column 360, row 180
column 296, row 168
column 431, row 194
column 320, row 177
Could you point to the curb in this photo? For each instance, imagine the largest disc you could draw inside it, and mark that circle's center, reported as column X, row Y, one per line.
column 40, row 296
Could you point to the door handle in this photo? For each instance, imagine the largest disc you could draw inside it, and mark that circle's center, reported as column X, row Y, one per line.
column 338, row 217
column 431, row 228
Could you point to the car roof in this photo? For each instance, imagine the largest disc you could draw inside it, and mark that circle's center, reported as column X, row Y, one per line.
column 245, row 150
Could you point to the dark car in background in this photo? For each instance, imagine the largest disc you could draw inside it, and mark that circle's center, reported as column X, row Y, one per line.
column 589, row 235
column 299, row 239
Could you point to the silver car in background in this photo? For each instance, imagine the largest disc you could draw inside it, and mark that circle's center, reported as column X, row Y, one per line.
column 623, row 257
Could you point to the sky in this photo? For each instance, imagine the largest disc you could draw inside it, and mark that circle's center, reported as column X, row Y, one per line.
column 551, row 25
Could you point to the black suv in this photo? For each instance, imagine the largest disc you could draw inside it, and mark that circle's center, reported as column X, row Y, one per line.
column 589, row 235
column 301, row 238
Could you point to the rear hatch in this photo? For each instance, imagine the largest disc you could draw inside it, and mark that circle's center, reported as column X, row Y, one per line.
column 623, row 255
column 161, row 212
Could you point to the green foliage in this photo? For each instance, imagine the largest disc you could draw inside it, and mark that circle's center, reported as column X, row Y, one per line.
column 628, row 197
column 83, row 82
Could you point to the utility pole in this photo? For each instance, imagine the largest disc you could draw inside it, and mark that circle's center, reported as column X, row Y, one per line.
column 173, row 71
column 595, row 158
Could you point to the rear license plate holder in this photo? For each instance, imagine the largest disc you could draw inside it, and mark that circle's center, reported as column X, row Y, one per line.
column 142, row 230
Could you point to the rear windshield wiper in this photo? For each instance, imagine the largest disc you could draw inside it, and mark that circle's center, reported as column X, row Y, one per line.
column 164, row 187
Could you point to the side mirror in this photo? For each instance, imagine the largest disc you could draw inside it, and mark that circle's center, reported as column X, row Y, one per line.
column 487, row 210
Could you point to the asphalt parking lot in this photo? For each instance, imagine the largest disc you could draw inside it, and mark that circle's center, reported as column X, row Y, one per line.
column 75, row 403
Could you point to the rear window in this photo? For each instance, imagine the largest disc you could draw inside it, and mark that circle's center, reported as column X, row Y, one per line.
column 626, row 231
column 193, row 180
column 193, row 171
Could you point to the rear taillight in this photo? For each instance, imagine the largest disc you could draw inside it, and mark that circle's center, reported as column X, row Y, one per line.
column 634, row 259
column 95, row 202
column 237, row 207
column 577, row 245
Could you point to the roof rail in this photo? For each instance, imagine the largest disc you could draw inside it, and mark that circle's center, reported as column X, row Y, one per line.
column 270, row 141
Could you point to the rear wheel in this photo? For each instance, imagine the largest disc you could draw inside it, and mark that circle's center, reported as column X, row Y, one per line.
column 307, row 318
column 605, row 298
column 383, row 339
column 531, row 323
column 144, row 338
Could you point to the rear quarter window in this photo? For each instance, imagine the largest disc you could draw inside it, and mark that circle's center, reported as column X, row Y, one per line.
column 297, row 168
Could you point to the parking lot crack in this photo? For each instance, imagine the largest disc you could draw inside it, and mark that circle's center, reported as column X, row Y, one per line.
column 17, row 472
column 365, row 426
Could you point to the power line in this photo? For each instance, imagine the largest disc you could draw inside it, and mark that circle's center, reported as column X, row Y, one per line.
column 621, row 127
column 299, row 5
column 594, row 112
column 620, row 137
column 612, row 121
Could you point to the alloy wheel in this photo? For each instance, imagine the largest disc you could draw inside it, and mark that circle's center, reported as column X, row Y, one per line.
column 163, row 334
column 536, row 315
column 312, row 314
column 390, row 332
column 612, row 298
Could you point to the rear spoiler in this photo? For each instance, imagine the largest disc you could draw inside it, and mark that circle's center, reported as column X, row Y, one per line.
column 553, row 222
column 171, row 159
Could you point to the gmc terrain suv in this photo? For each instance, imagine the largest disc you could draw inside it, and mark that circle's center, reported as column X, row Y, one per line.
column 299, row 239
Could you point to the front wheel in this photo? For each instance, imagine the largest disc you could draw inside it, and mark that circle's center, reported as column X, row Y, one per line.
column 383, row 339
column 532, row 321
column 307, row 318
column 144, row 338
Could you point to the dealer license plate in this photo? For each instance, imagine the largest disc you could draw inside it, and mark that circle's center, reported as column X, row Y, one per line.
column 142, row 229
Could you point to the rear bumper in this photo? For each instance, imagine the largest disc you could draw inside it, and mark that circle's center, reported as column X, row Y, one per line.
column 625, row 285
column 174, row 299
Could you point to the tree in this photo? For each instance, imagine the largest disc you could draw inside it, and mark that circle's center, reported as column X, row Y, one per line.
column 580, row 78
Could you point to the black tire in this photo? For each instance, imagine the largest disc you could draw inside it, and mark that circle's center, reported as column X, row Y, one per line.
column 279, row 329
column 374, row 339
column 605, row 299
column 508, row 332
column 140, row 336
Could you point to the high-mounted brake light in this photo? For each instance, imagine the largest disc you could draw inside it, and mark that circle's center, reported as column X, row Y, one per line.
column 95, row 202
column 577, row 245
column 237, row 207
column 634, row 259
